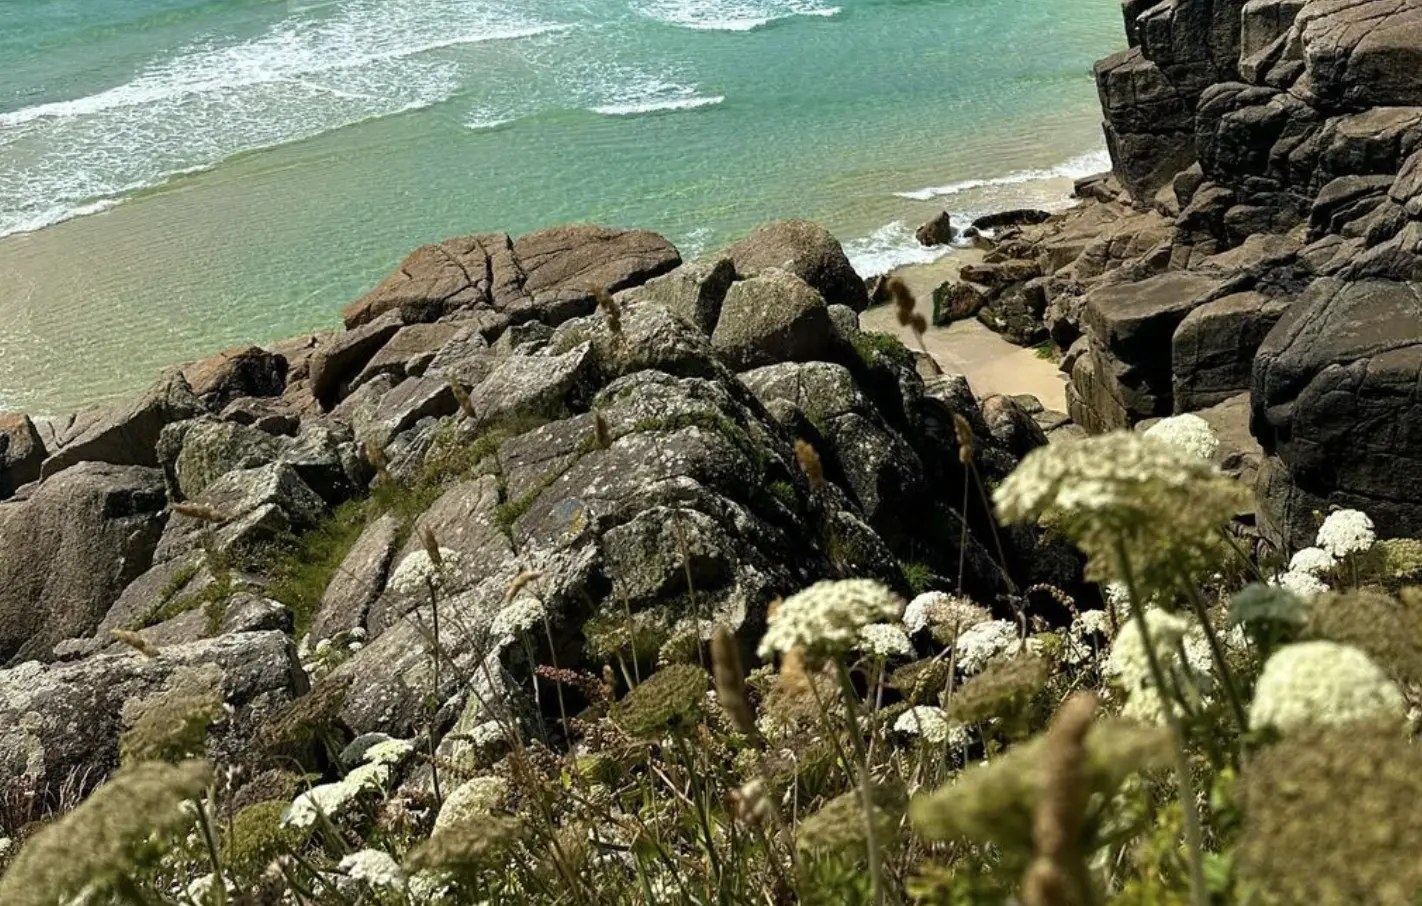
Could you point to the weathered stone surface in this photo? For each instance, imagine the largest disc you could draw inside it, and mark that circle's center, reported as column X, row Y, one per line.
column 1334, row 400
column 1195, row 42
column 694, row 291
column 1016, row 313
column 1011, row 425
column 542, row 386
column 257, row 506
column 358, row 581
column 1264, row 32
column 21, row 452
column 1345, row 200
column 1014, row 217
column 999, row 274
column 68, row 551
column 336, row 363
column 238, row 613
column 330, row 461
column 413, row 343
column 956, row 301
column 127, row 434
column 63, row 720
column 938, row 231
column 580, row 257
column 166, row 584
column 1212, row 353
column 1148, row 123
column 437, row 279
column 806, row 250
column 1362, row 53
column 1125, row 375
column 773, row 317
column 196, row 453
column 243, row 371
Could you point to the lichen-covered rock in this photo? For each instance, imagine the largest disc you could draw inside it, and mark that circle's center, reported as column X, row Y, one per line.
column 337, row 362
column 254, row 506
column 69, row 550
column 63, row 720
column 196, row 453
column 694, row 291
column 956, row 300
column 358, row 581
column 772, row 317
column 806, row 250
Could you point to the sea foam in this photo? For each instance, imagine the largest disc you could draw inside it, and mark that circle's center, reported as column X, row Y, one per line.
column 1084, row 165
column 731, row 15
column 304, row 76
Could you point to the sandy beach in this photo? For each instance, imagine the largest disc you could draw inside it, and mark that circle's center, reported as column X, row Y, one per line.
column 991, row 364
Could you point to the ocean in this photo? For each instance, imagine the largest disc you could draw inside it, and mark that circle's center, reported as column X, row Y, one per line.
column 181, row 176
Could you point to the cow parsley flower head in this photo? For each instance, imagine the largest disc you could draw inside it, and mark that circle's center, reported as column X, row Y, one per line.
column 884, row 640
column 390, row 752
column 824, row 620
column 1304, row 584
column 1312, row 560
column 1082, row 636
column 1123, row 494
column 932, row 726
column 1346, row 532
column 1323, row 683
column 1128, row 665
column 374, row 867
column 979, row 644
column 518, row 617
column 1188, row 433
column 936, row 608
column 417, row 570
column 475, row 797
column 328, row 799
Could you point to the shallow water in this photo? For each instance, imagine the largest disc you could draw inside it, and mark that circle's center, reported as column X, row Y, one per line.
column 177, row 176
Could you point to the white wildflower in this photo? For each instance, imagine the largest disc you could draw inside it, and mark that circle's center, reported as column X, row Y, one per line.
column 517, row 618
column 1305, row 585
column 1118, row 599
column 1129, row 666
column 1346, row 532
column 824, row 620
column 390, row 751
column 1081, row 636
column 6, row 844
column 358, row 633
column 373, row 776
column 979, row 644
column 1312, row 560
column 323, row 647
column 1323, row 683
column 374, row 867
column 475, row 797
column 354, row 647
column 199, row 890
column 1188, row 433
column 932, row 725
column 328, row 799
column 426, row 888
column 884, row 640
column 936, row 608
column 417, row 570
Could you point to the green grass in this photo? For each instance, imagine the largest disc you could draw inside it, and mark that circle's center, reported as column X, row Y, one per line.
column 1047, row 350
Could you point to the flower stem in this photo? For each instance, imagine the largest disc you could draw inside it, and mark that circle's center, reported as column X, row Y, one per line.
column 1194, row 837
column 1236, row 703
column 866, row 790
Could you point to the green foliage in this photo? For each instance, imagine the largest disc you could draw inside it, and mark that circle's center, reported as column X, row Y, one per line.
column 784, row 492
column 871, row 346
column 256, row 837
column 1047, row 350
column 919, row 576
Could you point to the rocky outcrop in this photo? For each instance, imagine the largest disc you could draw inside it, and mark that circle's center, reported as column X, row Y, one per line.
column 68, row 552
column 547, row 275
column 242, row 372
column 806, row 250
column 938, row 231
column 126, row 434
column 21, row 453
column 772, row 317
column 62, row 722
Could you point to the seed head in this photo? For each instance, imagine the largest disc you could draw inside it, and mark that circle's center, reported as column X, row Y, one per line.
column 601, row 432
column 611, row 311
column 810, row 464
column 731, row 681
column 671, row 699
column 461, row 396
column 199, row 511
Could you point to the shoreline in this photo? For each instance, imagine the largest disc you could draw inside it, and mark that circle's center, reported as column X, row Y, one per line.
column 991, row 364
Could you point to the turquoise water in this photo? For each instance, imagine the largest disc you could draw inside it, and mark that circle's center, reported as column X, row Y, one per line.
column 180, row 176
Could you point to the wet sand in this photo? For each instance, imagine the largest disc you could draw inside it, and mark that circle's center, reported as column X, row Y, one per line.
column 991, row 364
